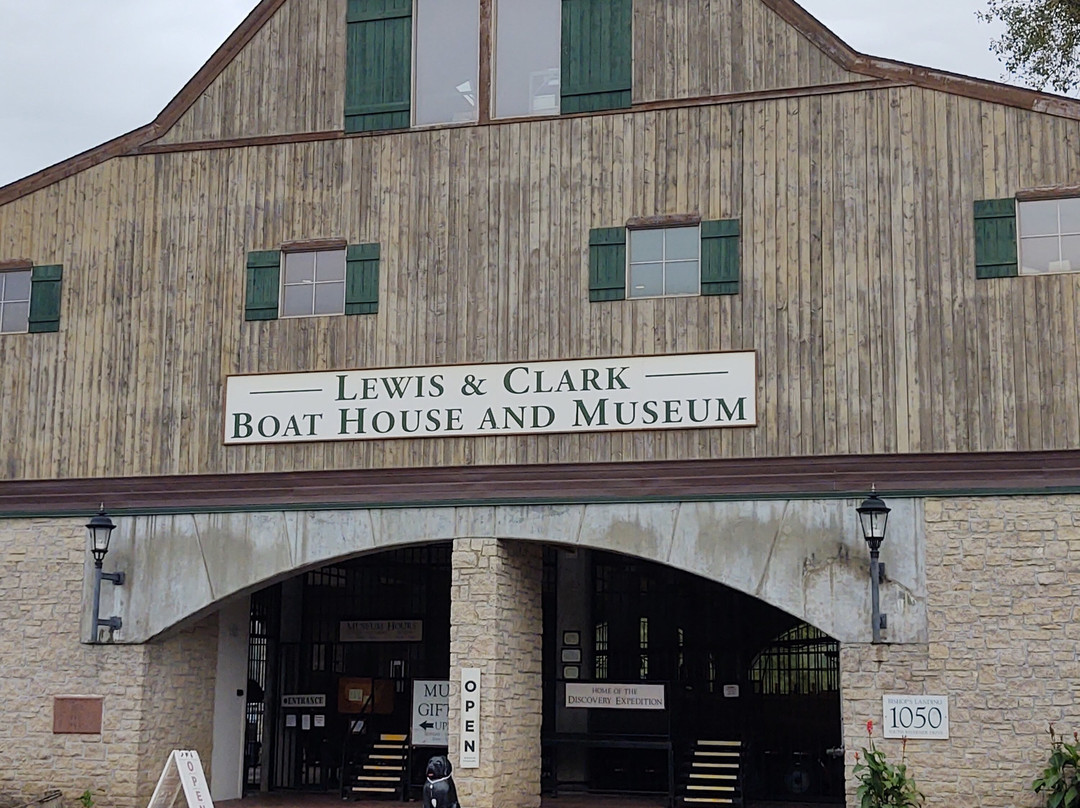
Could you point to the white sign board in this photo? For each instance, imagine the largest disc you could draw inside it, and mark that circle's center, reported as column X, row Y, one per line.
column 312, row 700
column 183, row 772
column 470, row 719
column 431, row 712
column 614, row 697
column 915, row 716
column 681, row 391
column 381, row 630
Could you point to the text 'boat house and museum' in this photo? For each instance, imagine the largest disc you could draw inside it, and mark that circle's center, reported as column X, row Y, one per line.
column 503, row 380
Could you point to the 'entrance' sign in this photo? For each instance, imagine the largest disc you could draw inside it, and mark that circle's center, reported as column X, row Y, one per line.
column 614, row 697
column 470, row 718
column 681, row 391
column 312, row 700
column 431, row 712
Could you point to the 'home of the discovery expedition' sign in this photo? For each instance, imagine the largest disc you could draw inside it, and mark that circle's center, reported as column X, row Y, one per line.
column 683, row 391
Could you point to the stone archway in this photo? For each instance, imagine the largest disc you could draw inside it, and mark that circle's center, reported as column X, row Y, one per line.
column 805, row 557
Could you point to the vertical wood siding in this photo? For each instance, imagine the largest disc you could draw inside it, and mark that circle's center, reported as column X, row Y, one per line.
column 291, row 76
column 695, row 48
column 858, row 286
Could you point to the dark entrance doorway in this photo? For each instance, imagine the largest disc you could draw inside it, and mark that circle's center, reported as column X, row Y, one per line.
column 332, row 656
column 752, row 701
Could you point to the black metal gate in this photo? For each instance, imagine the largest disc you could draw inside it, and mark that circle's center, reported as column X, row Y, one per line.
column 306, row 662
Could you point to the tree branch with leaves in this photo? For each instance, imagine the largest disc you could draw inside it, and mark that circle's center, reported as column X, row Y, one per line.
column 1041, row 43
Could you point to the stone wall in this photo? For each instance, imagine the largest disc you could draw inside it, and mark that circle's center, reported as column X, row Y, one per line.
column 496, row 625
column 1004, row 613
column 149, row 691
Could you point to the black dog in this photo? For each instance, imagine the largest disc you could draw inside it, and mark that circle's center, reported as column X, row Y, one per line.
column 439, row 790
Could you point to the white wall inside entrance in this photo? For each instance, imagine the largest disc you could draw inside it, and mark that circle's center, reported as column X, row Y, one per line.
column 806, row 557
column 230, row 700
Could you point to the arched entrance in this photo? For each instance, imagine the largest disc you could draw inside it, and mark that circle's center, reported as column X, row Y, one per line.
column 805, row 558
column 751, row 698
column 333, row 656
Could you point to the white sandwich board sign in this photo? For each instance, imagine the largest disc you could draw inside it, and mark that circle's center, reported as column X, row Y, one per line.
column 183, row 773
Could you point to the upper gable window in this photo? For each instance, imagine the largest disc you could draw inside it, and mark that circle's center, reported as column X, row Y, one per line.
column 417, row 62
column 447, row 61
column 1049, row 236
column 313, row 283
column 664, row 262
column 15, row 301
column 527, row 57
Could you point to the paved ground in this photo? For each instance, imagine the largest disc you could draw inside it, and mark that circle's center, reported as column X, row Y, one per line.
column 285, row 799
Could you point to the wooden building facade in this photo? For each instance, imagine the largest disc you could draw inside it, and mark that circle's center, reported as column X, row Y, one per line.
column 874, row 234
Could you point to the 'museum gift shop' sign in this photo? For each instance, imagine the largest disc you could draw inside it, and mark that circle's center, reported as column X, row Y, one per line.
column 683, row 391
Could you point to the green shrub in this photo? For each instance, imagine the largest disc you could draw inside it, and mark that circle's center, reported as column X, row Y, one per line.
column 1059, row 778
column 883, row 784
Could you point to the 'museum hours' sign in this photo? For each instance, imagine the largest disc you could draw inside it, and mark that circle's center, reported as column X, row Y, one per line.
column 684, row 391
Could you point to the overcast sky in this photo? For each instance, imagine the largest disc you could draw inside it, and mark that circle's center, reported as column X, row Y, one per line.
column 75, row 73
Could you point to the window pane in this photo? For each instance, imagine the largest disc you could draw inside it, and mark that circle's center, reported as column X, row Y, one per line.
column 330, row 298
column 299, row 267
column 16, row 286
column 1039, row 218
column 681, row 278
column 646, row 245
column 297, row 301
column 1070, row 253
column 447, row 60
column 330, row 265
column 1070, row 215
column 14, row 317
column 1036, row 254
column 527, row 57
column 682, row 242
column 646, row 280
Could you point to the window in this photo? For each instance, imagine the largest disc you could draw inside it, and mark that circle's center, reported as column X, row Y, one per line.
column 29, row 298
column 676, row 261
column 329, row 280
column 527, row 57
column 800, row 661
column 14, row 301
column 664, row 262
column 313, row 283
column 418, row 61
column 447, row 61
column 1049, row 236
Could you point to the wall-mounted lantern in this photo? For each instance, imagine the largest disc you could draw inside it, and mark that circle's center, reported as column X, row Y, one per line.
column 100, row 529
column 873, row 516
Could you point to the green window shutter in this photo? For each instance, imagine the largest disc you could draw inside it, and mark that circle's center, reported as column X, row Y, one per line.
column 362, row 279
column 720, row 257
column 45, row 298
column 995, row 238
column 378, row 72
column 597, row 49
column 263, row 285
column 607, row 264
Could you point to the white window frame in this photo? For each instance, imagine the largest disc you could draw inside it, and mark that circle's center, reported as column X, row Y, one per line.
column 4, row 300
column 1059, row 235
column 314, row 282
column 664, row 261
